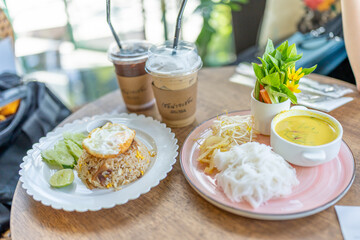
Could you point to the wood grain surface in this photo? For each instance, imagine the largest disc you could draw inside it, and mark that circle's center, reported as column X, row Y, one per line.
column 173, row 210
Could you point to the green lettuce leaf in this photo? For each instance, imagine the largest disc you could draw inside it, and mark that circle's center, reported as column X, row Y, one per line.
column 287, row 65
column 307, row 71
column 278, row 56
column 277, row 93
column 283, row 49
column 271, row 96
column 257, row 90
column 271, row 80
column 294, row 59
column 289, row 93
column 275, row 63
column 291, row 51
column 269, row 47
column 263, row 62
column 259, row 72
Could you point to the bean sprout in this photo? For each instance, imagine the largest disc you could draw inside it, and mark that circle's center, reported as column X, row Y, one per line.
column 227, row 131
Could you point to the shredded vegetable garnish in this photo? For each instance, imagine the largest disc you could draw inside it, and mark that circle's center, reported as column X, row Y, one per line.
column 227, row 131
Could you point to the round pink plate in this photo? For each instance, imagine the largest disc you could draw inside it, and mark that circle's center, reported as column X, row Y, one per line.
column 320, row 187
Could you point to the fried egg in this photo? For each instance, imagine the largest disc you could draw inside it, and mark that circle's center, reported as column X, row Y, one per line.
column 109, row 140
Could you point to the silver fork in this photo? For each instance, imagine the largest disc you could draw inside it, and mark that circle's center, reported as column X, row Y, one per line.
column 324, row 88
column 311, row 98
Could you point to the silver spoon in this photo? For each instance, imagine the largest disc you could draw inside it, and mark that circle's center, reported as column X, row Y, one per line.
column 96, row 124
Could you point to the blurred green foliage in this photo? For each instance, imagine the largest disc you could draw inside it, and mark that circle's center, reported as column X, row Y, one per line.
column 216, row 41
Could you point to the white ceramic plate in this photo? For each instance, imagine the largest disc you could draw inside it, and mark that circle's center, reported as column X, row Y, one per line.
column 35, row 174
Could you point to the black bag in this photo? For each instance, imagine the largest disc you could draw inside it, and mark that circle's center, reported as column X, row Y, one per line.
column 38, row 113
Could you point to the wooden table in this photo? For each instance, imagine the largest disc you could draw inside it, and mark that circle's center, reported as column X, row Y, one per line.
column 173, row 210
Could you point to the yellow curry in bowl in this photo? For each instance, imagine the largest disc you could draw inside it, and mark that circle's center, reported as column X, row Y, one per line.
column 306, row 130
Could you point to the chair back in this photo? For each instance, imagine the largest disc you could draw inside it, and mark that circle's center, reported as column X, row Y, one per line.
column 6, row 29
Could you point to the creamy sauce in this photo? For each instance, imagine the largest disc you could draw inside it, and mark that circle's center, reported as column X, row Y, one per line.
column 306, row 130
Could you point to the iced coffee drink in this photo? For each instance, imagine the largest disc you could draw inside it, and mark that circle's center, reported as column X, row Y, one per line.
column 134, row 82
column 174, row 81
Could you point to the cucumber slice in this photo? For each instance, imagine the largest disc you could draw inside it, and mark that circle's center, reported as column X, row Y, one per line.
column 49, row 157
column 62, row 155
column 61, row 146
column 75, row 137
column 73, row 148
column 66, row 152
column 62, row 178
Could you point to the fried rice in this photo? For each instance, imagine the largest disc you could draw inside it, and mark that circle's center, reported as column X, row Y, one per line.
column 114, row 172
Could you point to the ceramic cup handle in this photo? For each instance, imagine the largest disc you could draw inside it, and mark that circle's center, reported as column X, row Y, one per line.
column 318, row 156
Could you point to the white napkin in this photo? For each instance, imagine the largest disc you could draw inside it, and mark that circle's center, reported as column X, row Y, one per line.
column 349, row 219
column 7, row 57
column 321, row 102
column 245, row 69
column 243, row 80
column 331, row 90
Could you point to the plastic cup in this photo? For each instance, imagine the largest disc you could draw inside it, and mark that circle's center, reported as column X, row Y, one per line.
column 134, row 82
column 174, row 81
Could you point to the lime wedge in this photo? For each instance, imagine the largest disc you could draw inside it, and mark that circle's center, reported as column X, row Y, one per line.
column 62, row 178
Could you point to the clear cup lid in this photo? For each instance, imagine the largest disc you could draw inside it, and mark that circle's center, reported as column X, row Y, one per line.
column 164, row 60
column 132, row 50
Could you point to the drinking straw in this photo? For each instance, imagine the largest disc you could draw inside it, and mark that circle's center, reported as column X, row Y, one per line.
column 110, row 25
column 178, row 26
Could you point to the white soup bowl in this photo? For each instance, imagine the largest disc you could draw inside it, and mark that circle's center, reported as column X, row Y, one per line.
column 302, row 155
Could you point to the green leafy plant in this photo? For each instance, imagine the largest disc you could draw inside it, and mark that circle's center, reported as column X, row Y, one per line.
column 216, row 16
column 277, row 78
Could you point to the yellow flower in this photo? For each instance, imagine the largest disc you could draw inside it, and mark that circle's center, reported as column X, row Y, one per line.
column 295, row 75
column 293, row 87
